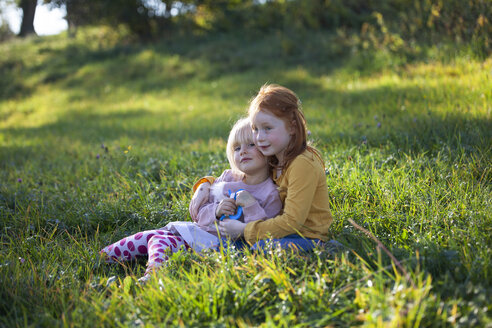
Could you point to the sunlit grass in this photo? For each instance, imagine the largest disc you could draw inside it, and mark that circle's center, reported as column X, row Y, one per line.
column 100, row 138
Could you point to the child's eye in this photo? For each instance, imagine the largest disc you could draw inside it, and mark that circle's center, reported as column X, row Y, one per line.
column 255, row 129
column 237, row 148
column 268, row 128
column 252, row 145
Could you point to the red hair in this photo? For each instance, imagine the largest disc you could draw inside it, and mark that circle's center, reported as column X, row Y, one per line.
column 284, row 104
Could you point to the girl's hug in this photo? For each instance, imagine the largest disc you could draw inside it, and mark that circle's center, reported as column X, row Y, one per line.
column 258, row 196
column 276, row 178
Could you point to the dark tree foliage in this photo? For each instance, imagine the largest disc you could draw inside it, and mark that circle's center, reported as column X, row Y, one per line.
column 405, row 20
column 87, row 12
column 145, row 18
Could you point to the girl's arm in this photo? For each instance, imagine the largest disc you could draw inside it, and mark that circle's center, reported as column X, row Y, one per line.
column 201, row 193
column 206, row 214
column 303, row 181
column 253, row 210
column 200, row 197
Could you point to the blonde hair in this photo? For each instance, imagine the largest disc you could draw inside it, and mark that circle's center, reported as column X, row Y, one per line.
column 240, row 133
column 284, row 104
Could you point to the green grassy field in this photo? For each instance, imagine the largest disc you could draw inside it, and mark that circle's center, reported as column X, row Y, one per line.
column 101, row 138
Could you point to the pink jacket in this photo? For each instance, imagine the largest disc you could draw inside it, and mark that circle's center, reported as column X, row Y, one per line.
column 268, row 203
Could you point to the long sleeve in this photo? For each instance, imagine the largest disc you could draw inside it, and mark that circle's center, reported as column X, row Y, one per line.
column 306, row 206
column 206, row 214
column 269, row 207
column 198, row 193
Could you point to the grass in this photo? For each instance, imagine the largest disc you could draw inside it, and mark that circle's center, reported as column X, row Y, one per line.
column 100, row 138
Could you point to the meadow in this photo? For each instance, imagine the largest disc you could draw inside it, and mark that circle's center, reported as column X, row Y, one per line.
column 101, row 137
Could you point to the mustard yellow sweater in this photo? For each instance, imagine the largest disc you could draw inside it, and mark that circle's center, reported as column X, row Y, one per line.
column 304, row 193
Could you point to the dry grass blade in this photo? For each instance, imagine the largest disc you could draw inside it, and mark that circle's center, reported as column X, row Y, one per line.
column 381, row 245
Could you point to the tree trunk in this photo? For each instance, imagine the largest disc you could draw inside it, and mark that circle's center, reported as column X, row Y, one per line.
column 71, row 18
column 28, row 10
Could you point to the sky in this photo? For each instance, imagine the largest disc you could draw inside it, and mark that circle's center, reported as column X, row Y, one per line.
column 46, row 21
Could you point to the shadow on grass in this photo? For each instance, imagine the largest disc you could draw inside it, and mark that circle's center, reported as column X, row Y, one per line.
column 336, row 117
column 454, row 276
column 92, row 129
column 169, row 63
column 424, row 132
column 11, row 83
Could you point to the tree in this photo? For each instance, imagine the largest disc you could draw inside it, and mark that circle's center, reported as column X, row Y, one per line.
column 135, row 14
column 28, row 11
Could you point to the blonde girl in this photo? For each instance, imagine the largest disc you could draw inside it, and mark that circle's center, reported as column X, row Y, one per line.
column 259, row 198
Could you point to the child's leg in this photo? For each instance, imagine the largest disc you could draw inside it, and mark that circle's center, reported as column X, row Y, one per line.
column 159, row 245
column 130, row 247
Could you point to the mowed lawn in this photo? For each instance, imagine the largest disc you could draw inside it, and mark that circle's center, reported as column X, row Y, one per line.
column 100, row 139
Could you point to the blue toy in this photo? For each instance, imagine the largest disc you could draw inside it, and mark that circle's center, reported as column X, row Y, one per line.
column 239, row 209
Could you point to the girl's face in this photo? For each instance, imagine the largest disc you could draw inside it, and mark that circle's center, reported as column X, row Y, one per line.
column 271, row 134
column 248, row 159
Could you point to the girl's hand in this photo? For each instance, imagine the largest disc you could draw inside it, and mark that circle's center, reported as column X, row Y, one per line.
column 231, row 228
column 199, row 198
column 226, row 207
column 244, row 199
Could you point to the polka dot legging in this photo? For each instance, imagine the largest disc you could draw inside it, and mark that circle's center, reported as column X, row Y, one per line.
column 154, row 243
